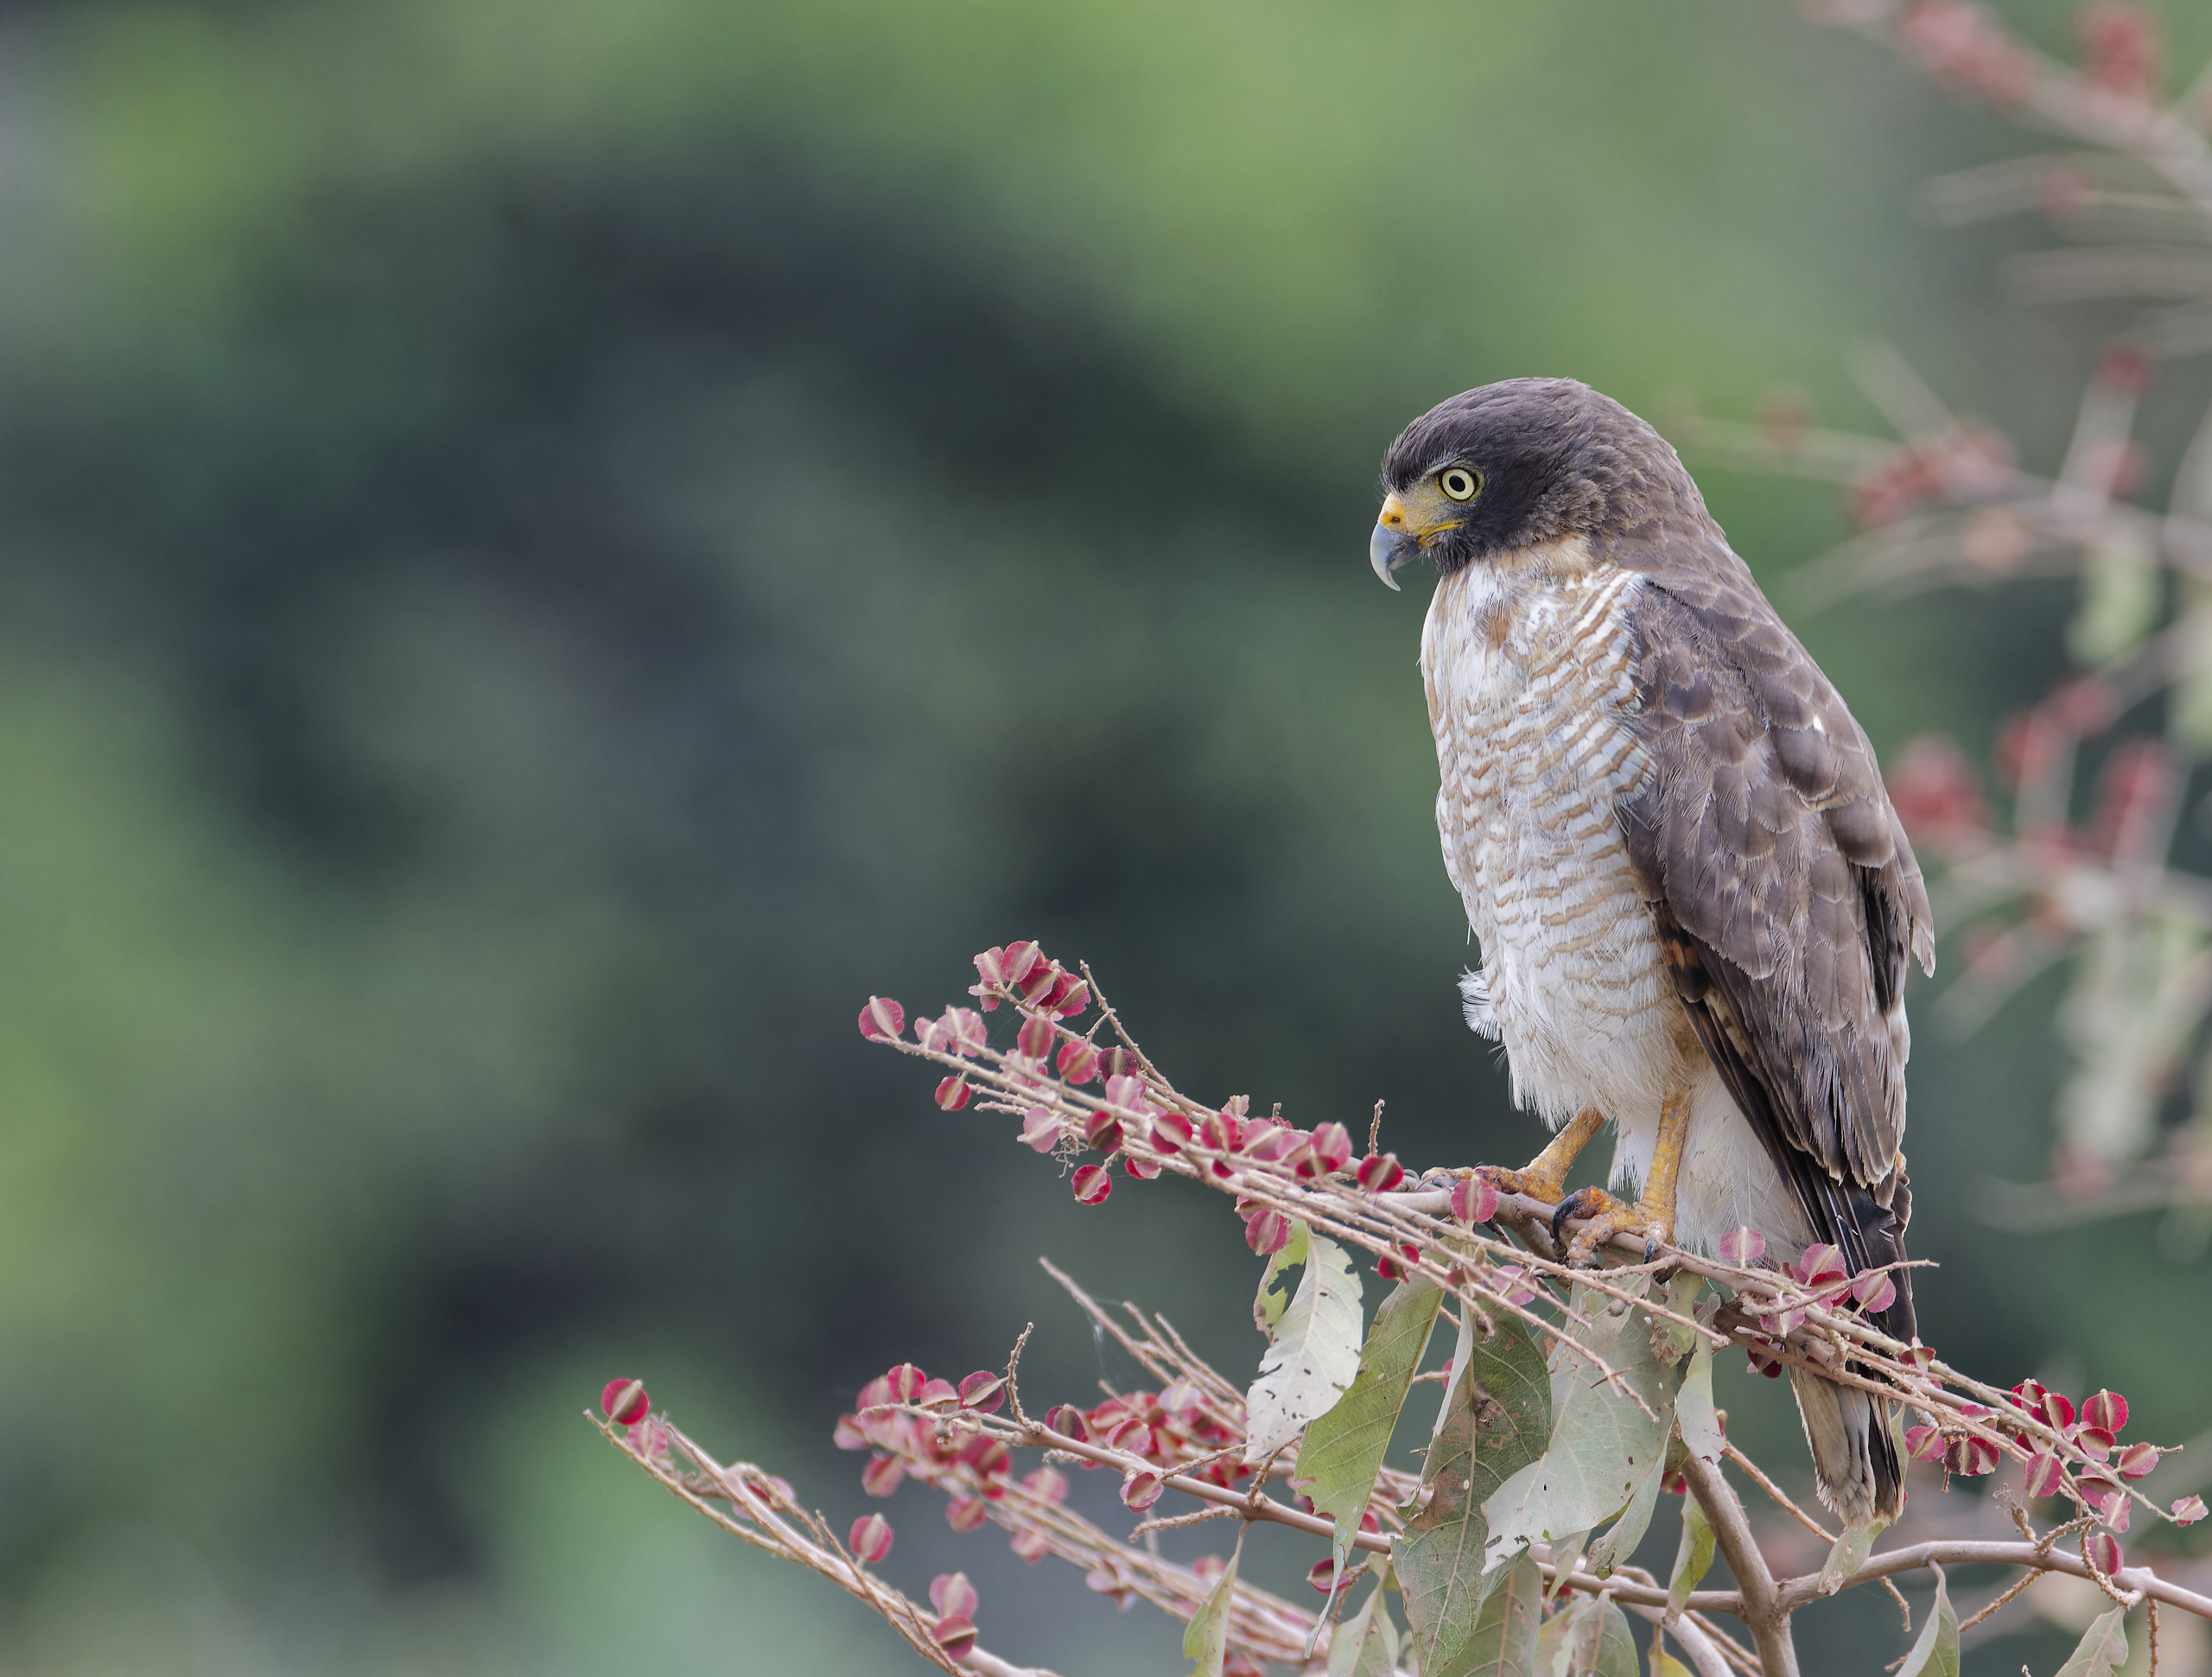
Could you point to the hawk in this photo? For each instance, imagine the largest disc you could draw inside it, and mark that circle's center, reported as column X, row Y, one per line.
column 1694, row 902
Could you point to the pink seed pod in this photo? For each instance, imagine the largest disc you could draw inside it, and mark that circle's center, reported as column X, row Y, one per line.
column 882, row 1475
column 1923, row 1443
column 1092, row 1184
column 1067, row 1421
column 1267, row 1233
column 1222, row 1131
column 1143, row 1169
column 904, row 1384
column 952, row 1595
column 1332, row 1145
column 956, row 1635
column 1771, row 1367
column 937, row 1394
column 2104, row 1553
column 1020, row 960
column 1040, row 1129
column 1874, row 1289
column 969, row 1034
column 954, row 1093
column 2106, row 1412
column 1104, row 1131
column 2093, row 1442
column 870, row 1539
column 847, row 1435
column 965, row 1514
column 1031, row 1545
column 1071, row 1001
column 624, row 1401
column 1172, row 1133
column 1078, row 1061
column 1036, row 1036
column 1140, row 1489
column 1741, row 1246
column 2046, row 1474
column 2188, row 1510
column 1379, row 1172
column 990, row 1458
column 983, row 1393
column 2137, row 1460
column 1474, row 1200
column 882, row 1018
column 1048, row 1483
column 1969, row 1456
column 1820, row 1265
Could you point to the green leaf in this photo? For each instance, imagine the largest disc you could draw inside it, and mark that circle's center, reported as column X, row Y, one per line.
column 1590, row 1639
column 1936, row 1652
column 1268, row 1303
column 2102, row 1651
column 1693, row 1557
column 1603, row 1441
column 1695, row 1418
column 1344, row 1448
column 1206, row 1638
column 1670, row 1341
column 1366, row 1644
column 1848, row 1555
column 1503, row 1640
column 1621, row 1538
column 1497, row 1416
column 1315, row 1355
column 2121, row 591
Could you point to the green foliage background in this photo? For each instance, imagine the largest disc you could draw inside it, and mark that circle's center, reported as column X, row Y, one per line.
column 550, row 549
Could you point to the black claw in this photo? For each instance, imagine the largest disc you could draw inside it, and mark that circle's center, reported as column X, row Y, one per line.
column 1569, row 1207
column 1650, row 1249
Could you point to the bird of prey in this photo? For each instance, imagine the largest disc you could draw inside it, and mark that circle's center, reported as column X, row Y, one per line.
column 1694, row 902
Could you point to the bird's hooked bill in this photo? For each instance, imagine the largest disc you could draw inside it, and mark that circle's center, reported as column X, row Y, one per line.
column 1388, row 549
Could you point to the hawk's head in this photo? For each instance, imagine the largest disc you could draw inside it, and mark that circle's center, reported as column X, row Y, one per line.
column 1514, row 464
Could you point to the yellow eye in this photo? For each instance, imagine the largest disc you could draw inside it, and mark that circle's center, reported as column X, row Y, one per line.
column 1459, row 484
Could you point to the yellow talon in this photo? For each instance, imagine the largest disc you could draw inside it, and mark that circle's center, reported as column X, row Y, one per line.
column 1653, row 1214
column 1545, row 1176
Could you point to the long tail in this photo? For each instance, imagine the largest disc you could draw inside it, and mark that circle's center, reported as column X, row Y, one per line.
column 1854, row 1458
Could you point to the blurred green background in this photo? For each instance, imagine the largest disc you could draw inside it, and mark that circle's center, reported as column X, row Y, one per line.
column 551, row 549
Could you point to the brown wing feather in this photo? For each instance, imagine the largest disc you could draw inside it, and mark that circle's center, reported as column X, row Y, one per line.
column 1765, row 831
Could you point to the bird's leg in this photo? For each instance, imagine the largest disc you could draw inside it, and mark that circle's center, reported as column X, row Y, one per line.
column 1545, row 1176
column 1653, row 1214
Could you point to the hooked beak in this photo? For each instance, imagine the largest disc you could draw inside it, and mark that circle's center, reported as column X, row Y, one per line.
column 1387, row 549
column 1397, row 540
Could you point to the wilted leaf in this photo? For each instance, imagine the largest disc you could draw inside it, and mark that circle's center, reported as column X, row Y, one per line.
column 1936, row 1651
column 1344, row 1448
column 1848, row 1555
column 1603, row 1441
column 1590, row 1639
column 1206, row 1638
column 1664, row 1664
column 1315, row 1355
column 1497, row 1416
column 1269, row 1303
column 2102, row 1650
column 1503, row 1640
column 1693, row 1557
column 1670, row 1341
column 1366, row 1644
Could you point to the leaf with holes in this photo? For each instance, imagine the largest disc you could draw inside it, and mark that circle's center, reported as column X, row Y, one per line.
column 1935, row 1652
column 1315, row 1355
column 1848, row 1555
column 1366, row 1644
column 1607, row 1432
column 1344, row 1448
column 2102, row 1650
column 1496, row 1417
column 1206, row 1638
